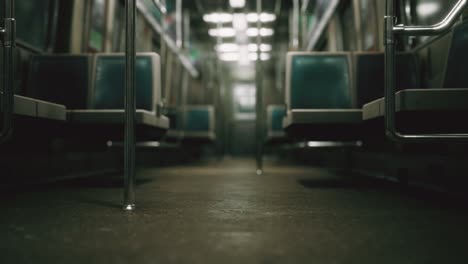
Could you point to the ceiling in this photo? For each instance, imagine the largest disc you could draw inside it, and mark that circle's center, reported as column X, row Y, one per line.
column 198, row 8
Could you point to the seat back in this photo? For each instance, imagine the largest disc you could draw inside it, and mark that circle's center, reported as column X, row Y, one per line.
column 61, row 79
column 369, row 72
column 199, row 118
column 109, row 81
column 318, row 81
column 276, row 113
column 455, row 71
column 173, row 114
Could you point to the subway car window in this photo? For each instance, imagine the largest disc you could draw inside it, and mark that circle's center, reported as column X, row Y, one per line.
column 233, row 131
column 118, row 27
column 34, row 29
column 97, row 26
column 369, row 25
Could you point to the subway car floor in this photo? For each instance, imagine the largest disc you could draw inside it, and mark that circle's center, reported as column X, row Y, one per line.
column 222, row 212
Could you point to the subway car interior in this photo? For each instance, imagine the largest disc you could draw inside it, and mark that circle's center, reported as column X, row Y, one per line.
column 229, row 131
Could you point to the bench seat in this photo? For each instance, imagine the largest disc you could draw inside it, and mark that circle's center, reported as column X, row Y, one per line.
column 30, row 107
column 415, row 100
column 324, row 124
column 424, row 111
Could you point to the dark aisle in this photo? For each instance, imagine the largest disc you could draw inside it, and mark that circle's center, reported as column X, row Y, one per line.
column 224, row 213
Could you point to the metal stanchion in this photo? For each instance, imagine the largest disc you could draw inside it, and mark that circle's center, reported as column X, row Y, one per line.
column 8, row 36
column 130, row 107
column 259, row 85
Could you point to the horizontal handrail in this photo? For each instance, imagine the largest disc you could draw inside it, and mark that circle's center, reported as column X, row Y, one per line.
column 314, row 34
column 170, row 42
column 8, row 33
column 390, row 103
column 435, row 29
column 160, row 6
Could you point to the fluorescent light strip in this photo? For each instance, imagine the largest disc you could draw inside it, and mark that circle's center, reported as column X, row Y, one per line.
column 222, row 32
column 237, row 3
column 232, row 47
column 227, row 17
column 230, row 32
column 264, row 32
column 233, row 56
column 217, row 18
column 264, row 17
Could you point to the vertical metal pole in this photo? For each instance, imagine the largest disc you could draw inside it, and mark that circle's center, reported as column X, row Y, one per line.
column 130, row 106
column 295, row 25
column 179, row 25
column 184, row 95
column 389, row 67
column 9, row 43
column 259, row 89
column 224, row 111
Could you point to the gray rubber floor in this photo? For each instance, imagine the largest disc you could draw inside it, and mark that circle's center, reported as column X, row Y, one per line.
column 223, row 213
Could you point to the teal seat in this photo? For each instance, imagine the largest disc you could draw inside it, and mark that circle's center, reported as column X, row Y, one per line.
column 61, row 79
column 109, row 82
column 319, row 81
column 369, row 74
column 199, row 124
column 198, row 119
column 278, row 112
column 455, row 74
column 98, row 102
column 275, row 115
column 430, row 110
column 320, row 97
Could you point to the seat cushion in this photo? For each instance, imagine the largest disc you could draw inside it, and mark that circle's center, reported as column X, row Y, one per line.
column 318, row 81
column 109, row 82
column 99, row 116
column 412, row 100
column 61, row 79
column 323, row 124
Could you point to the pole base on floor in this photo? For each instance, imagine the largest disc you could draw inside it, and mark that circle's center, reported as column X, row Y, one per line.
column 129, row 207
column 259, row 172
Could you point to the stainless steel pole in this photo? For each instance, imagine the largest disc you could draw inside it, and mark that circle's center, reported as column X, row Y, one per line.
column 8, row 33
column 130, row 107
column 390, row 104
column 389, row 67
column 259, row 84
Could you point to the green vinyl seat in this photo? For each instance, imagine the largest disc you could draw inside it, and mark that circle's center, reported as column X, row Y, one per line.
column 320, row 97
column 275, row 115
column 369, row 75
column 199, row 123
column 106, row 98
column 61, row 79
column 430, row 110
column 92, row 89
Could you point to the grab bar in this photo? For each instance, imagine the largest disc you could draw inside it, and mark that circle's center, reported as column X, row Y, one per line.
column 130, row 106
column 8, row 37
column 390, row 105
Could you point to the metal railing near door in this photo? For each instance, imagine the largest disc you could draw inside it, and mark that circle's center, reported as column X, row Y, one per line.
column 8, row 37
column 390, row 31
column 260, row 110
column 130, row 107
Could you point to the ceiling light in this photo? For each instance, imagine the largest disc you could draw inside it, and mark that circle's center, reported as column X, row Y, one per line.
column 217, row 18
column 264, row 32
column 222, row 32
column 263, row 56
column 233, row 47
column 232, row 56
column 227, row 47
column 239, row 22
column 264, row 17
column 237, row 3
column 263, row 47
